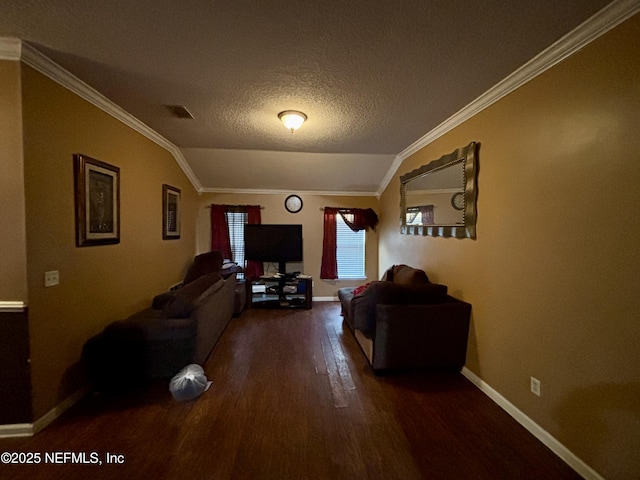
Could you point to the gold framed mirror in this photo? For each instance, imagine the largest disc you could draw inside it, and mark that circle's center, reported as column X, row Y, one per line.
column 439, row 199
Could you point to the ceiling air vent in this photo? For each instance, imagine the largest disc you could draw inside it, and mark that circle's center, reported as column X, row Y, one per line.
column 179, row 111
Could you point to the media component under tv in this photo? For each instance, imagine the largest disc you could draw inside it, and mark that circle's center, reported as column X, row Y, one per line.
column 273, row 243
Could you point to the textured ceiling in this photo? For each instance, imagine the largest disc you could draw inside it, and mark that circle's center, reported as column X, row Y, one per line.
column 372, row 77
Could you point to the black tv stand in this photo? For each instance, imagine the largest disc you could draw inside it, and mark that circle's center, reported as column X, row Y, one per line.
column 282, row 268
column 281, row 291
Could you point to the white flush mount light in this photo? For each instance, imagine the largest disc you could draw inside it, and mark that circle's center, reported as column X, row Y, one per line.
column 292, row 119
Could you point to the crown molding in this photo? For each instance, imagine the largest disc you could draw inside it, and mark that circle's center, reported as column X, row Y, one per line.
column 250, row 191
column 605, row 20
column 386, row 180
column 14, row 49
column 10, row 48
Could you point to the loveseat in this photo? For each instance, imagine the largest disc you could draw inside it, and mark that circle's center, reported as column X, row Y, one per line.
column 179, row 328
column 405, row 321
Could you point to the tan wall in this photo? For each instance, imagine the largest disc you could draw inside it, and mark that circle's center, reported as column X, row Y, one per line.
column 554, row 273
column 98, row 284
column 311, row 218
column 13, row 252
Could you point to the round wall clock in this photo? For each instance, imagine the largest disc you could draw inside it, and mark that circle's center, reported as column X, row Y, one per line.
column 293, row 203
column 457, row 201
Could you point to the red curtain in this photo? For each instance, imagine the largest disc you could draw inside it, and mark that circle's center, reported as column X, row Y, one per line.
column 329, row 266
column 253, row 269
column 359, row 218
column 220, row 230
column 427, row 214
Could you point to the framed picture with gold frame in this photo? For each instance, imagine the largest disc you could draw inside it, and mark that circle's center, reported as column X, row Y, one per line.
column 170, row 212
column 97, row 202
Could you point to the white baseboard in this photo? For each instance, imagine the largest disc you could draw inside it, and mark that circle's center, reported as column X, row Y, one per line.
column 540, row 433
column 12, row 306
column 29, row 429
column 325, row 299
column 16, row 430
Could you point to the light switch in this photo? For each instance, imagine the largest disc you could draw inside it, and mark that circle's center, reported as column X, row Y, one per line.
column 51, row 278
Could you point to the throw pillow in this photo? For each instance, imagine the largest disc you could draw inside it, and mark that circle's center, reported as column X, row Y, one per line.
column 405, row 275
column 361, row 289
column 388, row 274
column 204, row 264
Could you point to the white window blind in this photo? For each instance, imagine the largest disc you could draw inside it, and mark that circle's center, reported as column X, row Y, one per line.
column 349, row 251
column 414, row 216
column 236, row 221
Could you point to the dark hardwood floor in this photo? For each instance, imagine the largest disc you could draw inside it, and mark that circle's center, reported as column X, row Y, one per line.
column 293, row 398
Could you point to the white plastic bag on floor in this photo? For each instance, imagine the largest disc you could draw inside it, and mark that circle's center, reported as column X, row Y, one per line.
column 189, row 383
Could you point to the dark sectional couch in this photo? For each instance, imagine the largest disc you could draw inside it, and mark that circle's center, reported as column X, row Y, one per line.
column 405, row 321
column 180, row 328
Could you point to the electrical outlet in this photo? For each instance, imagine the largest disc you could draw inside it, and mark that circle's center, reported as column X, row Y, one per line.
column 535, row 386
column 51, row 278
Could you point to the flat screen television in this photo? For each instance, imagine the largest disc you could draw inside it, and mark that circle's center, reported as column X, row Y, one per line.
column 273, row 243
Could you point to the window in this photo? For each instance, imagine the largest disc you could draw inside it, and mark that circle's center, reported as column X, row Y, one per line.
column 349, row 250
column 235, row 222
column 227, row 234
column 343, row 238
column 422, row 215
column 414, row 216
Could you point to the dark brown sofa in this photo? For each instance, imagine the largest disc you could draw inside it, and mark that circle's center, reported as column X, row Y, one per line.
column 405, row 321
column 181, row 327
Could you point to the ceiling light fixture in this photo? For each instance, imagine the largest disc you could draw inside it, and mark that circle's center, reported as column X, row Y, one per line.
column 292, row 119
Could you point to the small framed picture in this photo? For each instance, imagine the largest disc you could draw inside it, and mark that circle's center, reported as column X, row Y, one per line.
column 97, row 200
column 170, row 212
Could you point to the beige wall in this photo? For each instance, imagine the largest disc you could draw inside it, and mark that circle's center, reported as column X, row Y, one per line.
column 554, row 275
column 13, row 254
column 98, row 284
column 311, row 218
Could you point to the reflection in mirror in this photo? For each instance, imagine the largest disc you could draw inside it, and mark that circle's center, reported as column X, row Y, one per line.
column 439, row 199
column 435, row 191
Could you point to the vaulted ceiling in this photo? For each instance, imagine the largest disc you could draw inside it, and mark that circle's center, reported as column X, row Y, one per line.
column 373, row 77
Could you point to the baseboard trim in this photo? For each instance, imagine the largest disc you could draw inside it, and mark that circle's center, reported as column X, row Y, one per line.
column 12, row 307
column 16, row 430
column 325, row 299
column 540, row 433
column 30, row 429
